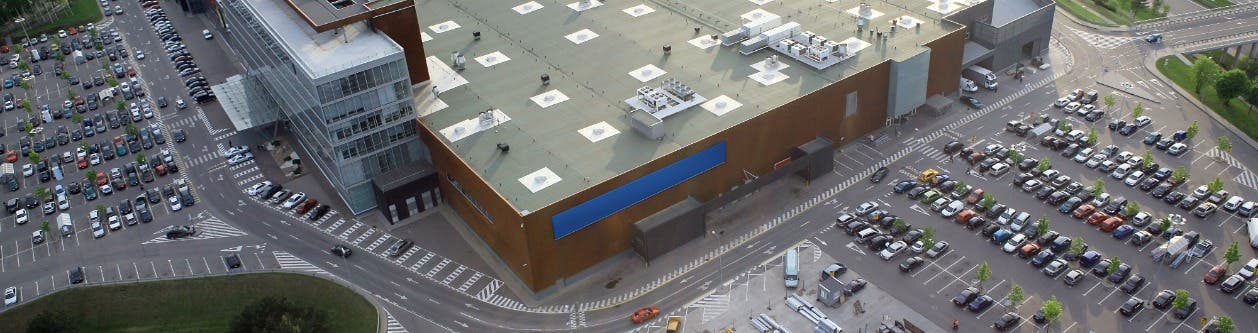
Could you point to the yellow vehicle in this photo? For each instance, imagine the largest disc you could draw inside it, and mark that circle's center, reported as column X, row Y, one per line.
column 674, row 325
column 928, row 176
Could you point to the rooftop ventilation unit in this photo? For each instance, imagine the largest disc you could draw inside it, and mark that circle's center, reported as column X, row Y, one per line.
column 341, row 3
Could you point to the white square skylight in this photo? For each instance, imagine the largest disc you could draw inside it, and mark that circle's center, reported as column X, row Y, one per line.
column 582, row 6
column 424, row 37
column 760, row 2
column 489, row 60
column 539, row 180
column 768, row 78
column 599, row 131
column 764, row 66
column 444, row 26
column 721, row 105
column 704, row 42
column 639, row 10
column 582, row 36
column 549, row 98
column 647, row 73
column 527, row 7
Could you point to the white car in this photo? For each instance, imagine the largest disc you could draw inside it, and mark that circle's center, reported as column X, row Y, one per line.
column 233, row 151
column 294, row 200
column 206, row 33
column 1134, row 178
column 62, row 33
column 1122, row 171
column 1123, row 156
column 114, row 223
column 94, row 159
column 1014, row 243
column 242, row 158
column 1142, row 121
column 10, row 296
column 97, row 230
column 1179, row 148
column 106, row 189
column 1083, row 155
column 130, row 217
column 174, row 204
column 1061, row 102
column 256, row 188
column 1201, row 192
column 1233, row 203
column 892, row 250
column 28, row 170
column 953, row 208
column 62, row 203
column 1247, row 271
column 1070, row 108
column 1095, row 161
column 866, row 207
column 139, row 55
column 21, row 217
column 1136, row 160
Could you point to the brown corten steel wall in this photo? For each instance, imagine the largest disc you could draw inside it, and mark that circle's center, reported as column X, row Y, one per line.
column 944, row 76
column 540, row 261
column 503, row 234
column 402, row 26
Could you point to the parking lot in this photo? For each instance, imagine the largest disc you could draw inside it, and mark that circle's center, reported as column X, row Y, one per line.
column 1093, row 302
column 99, row 119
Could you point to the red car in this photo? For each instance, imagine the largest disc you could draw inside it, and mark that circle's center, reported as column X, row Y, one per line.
column 1215, row 274
column 644, row 314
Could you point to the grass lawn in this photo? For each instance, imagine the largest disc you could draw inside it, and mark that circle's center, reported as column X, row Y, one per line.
column 194, row 305
column 1083, row 13
column 1214, row 3
column 81, row 12
column 1235, row 111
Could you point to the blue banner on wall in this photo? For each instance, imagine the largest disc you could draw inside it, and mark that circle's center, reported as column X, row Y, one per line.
column 602, row 206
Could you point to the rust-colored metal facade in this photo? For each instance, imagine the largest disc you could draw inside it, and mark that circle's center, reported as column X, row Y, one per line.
column 526, row 243
column 401, row 25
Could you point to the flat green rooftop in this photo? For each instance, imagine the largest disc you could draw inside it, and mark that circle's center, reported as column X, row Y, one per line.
column 589, row 56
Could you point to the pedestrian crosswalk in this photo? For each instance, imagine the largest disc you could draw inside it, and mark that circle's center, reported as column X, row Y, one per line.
column 934, row 153
column 392, row 325
column 1247, row 179
column 291, row 262
column 205, row 158
column 209, row 228
column 1101, row 41
column 712, row 306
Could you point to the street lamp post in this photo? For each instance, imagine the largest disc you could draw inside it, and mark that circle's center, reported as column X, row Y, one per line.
column 720, row 258
column 22, row 21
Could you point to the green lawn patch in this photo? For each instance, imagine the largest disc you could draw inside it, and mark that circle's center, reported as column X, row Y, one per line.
column 194, row 305
column 1234, row 111
column 1214, row 3
column 1082, row 13
column 81, row 12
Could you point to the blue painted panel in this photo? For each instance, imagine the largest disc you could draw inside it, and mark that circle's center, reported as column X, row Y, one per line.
column 602, row 206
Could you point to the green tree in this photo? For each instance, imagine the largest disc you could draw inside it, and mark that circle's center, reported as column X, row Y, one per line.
column 1164, row 224
column 989, row 200
column 1064, row 126
column 1192, row 130
column 43, row 193
column 91, row 176
column 131, row 130
column 1224, row 324
column 1215, row 185
column 34, row 157
column 77, row 118
column 274, row 314
column 23, row 65
column 899, row 224
column 1181, row 299
column 1093, row 137
column 1225, row 144
column 121, row 105
column 1132, row 208
column 984, row 273
column 961, row 188
column 1076, row 246
column 29, row 127
column 1113, row 265
column 45, row 226
column 1231, row 84
column 1109, row 101
column 1251, row 95
column 25, row 84
column 1016, row 296
column 52, row 322
column 928, row 237
column 1098, row 188
column 1206, row 71
column 139, row 158
column 1016, row 156
column 1147, row 160
column 1138, row 110
column 1044, row 164
column 1051, row 309
column 26, row 104
column 1232, row 255
column 1042, row 225
column 112, row 81
column 1179, row 175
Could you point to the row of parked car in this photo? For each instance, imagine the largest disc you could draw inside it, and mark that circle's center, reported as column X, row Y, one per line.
column 276, row 194
column 890, row 236
column 181, row 59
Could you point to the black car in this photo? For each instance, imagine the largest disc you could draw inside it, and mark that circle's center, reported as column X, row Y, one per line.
column 1131, row 306
column 1251, row 296
column 1160, row 191
column 232, row 261
column 1173, row 197
column 990, row 229
column 976, row 222
column 177, row 232
column 320, row 212
column 1117, row 124
column 1043, row 258
column 911, row 263
column 1133, row 284
column 1184, row 312
column 981, row 303
column 1128, row 129
column 76, row 275
column 879, row 175
column 342, row 251
column 1007, row 321
column 905, row 186
column 1164, row 299
column 1121, row 273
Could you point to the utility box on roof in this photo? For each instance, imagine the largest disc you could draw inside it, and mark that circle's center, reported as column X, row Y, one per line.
column 668, row 229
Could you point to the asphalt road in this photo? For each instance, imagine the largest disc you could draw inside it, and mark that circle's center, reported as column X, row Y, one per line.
column 275, row 239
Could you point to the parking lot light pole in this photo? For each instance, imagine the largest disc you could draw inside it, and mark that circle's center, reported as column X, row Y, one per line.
column 22, row 21
column 720, row 267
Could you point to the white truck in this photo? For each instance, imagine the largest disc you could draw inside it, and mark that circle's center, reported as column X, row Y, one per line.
column 1173, row 251
column 982, row 76
column 1253, row 232
column 7, row 169
column 65, row 225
